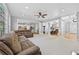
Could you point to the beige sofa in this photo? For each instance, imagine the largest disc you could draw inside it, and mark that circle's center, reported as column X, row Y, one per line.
column 11, row 44
column 26, row 33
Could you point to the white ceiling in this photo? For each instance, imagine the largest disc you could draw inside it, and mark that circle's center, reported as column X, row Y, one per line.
column 52, row 9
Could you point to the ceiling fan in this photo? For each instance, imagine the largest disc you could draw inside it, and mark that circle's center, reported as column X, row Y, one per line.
column 41, row 14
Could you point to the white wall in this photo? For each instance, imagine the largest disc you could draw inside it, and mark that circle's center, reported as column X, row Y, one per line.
column 13, row 23
column 27, row 23
column 39, row 25
column 72, row 27
column 67, row 25
column 40, row 28
column 48, row 25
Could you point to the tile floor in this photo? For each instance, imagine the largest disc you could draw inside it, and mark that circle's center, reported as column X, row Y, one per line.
column 53, row 45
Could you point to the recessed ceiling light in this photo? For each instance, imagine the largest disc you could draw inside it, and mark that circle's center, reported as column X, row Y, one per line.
column 26, row 7
column 63, row 10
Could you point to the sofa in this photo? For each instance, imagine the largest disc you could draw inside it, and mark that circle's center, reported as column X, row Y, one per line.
column 11, row 44
column 26, row 33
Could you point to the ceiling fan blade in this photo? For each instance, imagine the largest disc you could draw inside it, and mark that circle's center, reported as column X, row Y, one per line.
column 44, row 15
column 36, row 15
column 40, row 13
